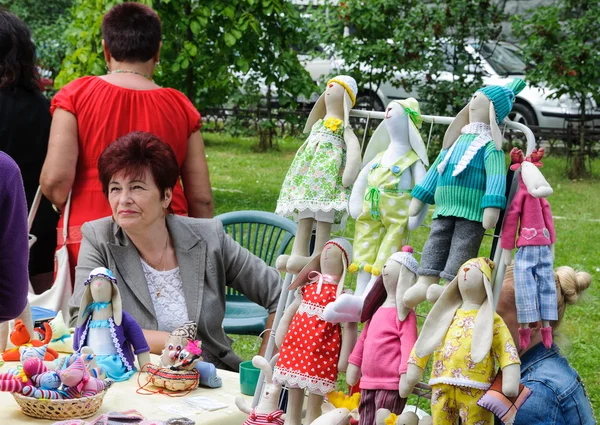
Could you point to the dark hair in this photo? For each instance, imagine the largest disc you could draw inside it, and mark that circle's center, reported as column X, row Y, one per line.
column 132, row 32
column 135, row 153
column 17, row 54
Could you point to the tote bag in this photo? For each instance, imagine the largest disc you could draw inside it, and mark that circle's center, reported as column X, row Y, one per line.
column 57, row 297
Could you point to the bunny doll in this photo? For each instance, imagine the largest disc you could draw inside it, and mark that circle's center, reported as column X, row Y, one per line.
column 467, row 182
column 317, row 185
column 465, row 336
column 77, row 382
column 267, row 411
column 395, row 161
column 112, row 334
column 339, row 409
column 382, row 350
column 535, row 287
column 311, row 349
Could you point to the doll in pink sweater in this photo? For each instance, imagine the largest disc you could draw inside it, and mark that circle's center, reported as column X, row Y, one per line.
column 382, row 351
column 530, row 220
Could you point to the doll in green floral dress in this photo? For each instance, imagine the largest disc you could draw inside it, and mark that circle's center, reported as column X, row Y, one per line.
column 318, row 183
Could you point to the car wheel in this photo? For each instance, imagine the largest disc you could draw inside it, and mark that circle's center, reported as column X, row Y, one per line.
column 369, row 102
column 522, row 114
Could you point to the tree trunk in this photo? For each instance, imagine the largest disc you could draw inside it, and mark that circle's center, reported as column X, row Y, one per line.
column 578, row 165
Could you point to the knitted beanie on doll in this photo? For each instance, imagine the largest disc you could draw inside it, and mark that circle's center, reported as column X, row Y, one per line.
column 503, row 97
column 348, row 83
column 405, row 258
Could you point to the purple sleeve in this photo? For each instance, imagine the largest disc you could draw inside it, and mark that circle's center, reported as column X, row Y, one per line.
column 14, row 241
column 357, row 353
column 134, row 334
column 77, row 337
column 548, row 220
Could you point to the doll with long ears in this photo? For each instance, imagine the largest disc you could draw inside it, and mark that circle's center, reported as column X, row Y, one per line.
column 380, row 356
column 529, row 217
column 312, row 350
column 466, row 338
column 112, row 333
column 267, row 411
column 395, row 161
column 467, row 183
column 317, row 186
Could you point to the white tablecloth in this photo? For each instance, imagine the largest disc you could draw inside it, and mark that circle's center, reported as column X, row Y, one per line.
column 122, row 396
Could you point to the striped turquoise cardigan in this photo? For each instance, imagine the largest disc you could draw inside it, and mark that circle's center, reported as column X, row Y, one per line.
column 481, row 185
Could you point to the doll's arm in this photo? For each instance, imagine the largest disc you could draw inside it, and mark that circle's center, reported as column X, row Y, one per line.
column 240, row 402
column 511, row 377
column 409, row 380
column 284, row 323
column 415, row 220
column 356, row 358
column 424, row 191
column 407, row 339
column 548, row 220
column 348, row 342
column 494, row 198
column 352, row 157
column 358, row 191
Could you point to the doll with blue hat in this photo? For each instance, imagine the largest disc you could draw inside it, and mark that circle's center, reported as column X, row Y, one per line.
column 112, row 333
column 467, row 185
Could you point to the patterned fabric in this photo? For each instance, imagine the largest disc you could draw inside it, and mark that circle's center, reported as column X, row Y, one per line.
column 314, row 180
column 264, row 418
column 452, row 363
column 450, row 403
column 535, row 287
column 310, row 351
column 481, row 185
column 166, row 291
column 372, row 400
column 382, row 227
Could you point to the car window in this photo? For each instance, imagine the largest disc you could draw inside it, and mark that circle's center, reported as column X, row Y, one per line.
column 501, row 59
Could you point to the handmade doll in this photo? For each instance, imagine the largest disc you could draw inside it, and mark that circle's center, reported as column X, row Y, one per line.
column 15, row 379
column 77, row 382
column 62, row 338
column 467, row 182
column 311, row 349
column 267, row 411
column 385, row 417
column 318, row 183
column 339, row 409
column 466, row 338
column 111, row 333
column 44, row 385
column 530, row 217
column 189, row 356
column 176, row 342
column 395, row 161
column 21, row 337
column 380, row 355
column 26, row 319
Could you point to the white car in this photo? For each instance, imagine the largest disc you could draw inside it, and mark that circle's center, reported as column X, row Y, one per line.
column 499, row 65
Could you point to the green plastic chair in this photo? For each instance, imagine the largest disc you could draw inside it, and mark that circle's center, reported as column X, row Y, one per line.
column 267, row 236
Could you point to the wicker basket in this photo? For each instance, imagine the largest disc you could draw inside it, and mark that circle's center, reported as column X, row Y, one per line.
column 173, row 380
column 83, row 407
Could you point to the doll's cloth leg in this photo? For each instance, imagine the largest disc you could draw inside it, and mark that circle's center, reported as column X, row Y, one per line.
column 396, row 225
column 326, row 216
column 373, row 400
column 468, row 410
column 466, row 241
column 526, row 295
column 368, row 235
column 546, row 285
column 437, row 247
column 443, row 405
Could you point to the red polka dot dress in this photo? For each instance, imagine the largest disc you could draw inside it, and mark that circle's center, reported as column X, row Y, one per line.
column 310, row 352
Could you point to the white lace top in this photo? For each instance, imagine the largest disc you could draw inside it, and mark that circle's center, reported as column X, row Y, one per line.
column 166, row 291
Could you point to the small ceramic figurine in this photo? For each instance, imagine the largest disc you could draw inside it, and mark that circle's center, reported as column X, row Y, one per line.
column 111, row 333
column 312, row 350
column 267, row 410
column 395, row 161
column 530, row 218
column 317, row 186
column 467, row 184
column 468, row 341
column 380, row 356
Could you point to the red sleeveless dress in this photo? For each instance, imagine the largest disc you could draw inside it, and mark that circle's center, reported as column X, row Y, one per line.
column 105, row 112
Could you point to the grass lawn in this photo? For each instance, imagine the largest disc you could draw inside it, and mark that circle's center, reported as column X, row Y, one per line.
column 243, row 179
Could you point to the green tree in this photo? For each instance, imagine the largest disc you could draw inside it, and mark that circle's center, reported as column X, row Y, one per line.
column 211, row 50
column 562, row 40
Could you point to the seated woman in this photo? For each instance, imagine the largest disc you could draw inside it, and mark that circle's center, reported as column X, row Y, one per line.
column 558, row 396
column 169, row 269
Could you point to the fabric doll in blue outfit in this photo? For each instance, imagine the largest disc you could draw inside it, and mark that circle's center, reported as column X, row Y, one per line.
column 112, row 334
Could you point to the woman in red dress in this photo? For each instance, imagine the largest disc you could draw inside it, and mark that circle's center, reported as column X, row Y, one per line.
column 91, row 112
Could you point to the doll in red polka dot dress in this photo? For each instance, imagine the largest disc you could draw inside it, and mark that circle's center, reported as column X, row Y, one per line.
column 311, row 349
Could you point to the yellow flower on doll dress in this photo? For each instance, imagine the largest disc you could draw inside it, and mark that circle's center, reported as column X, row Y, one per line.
column 332, row 123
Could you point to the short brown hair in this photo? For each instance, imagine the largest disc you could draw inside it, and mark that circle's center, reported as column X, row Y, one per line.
column 135, row 153
column 132, row 32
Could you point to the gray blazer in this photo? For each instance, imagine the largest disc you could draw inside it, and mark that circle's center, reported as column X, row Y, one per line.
column 209, row 260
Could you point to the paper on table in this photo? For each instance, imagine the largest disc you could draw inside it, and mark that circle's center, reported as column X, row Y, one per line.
column 204, row 403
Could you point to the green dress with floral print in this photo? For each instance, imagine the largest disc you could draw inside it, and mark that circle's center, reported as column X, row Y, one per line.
column 314, row 180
